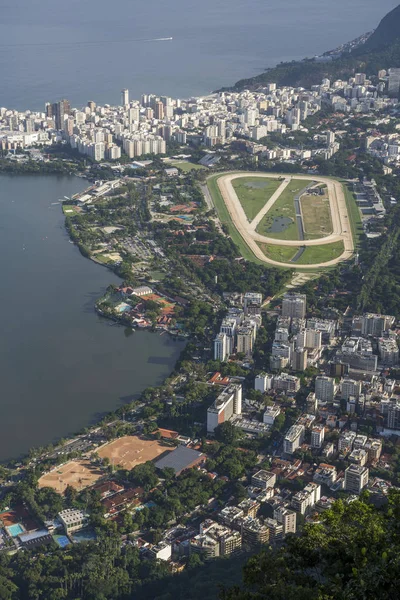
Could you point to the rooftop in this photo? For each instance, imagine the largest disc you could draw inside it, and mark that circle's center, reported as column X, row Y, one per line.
column 179, row 459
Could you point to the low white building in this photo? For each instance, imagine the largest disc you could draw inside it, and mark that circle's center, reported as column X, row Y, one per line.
column 73, row 519
column 271, row 413
column 143, row 290
column 162, row 551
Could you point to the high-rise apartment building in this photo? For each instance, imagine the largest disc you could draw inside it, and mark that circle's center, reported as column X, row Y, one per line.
column 356, row 478
column 299, row 359
column 159, row 110
column 252, row 303
column 294, row 305
column 124, row 97
column 350, row 387
column 245, row 340
column 293, row 439
column 221, row 347
column 263, row 382
column 317, row 436
column 394, row 83
column 324, row 388
column 307, row 498
column 287, row 518
column 58, row 112
column 375, row 324
column 228, row 403
column 309, row 338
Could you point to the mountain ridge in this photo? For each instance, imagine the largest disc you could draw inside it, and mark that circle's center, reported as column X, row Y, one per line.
column 387, row 32
column 380, row 51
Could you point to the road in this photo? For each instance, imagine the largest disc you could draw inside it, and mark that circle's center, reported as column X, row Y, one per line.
column 341, row 228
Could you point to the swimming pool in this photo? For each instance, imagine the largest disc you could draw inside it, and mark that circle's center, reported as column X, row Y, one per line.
column 85, row 535
column 15, row 530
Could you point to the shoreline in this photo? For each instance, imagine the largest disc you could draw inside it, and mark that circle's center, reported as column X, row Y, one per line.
column 96, row 417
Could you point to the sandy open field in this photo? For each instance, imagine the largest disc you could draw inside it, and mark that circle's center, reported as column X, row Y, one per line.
column 341, row 227
column 77, row 473
column 132, row 450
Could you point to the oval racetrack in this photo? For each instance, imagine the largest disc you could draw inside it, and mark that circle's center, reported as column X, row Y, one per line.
column 339, row 214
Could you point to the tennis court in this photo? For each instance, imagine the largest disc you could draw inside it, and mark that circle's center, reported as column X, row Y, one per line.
column 61, row 540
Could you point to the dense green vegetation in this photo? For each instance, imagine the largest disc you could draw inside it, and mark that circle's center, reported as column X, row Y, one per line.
column 33, row 167
column 352, row 554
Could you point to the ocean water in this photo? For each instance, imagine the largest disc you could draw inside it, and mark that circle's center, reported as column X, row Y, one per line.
column 90, row 50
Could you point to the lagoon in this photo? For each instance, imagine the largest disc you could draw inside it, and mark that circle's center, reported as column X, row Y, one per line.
column 61, row 365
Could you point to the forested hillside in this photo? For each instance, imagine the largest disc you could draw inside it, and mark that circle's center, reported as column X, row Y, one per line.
column 381, row 51
column 387, row 32
column 353, row 553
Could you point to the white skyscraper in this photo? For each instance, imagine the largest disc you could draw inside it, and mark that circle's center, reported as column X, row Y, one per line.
column 250, row 116
column 221, row 347
column 125, row 97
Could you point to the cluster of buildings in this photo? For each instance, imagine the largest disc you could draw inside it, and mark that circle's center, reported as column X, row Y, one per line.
column 228, row 406
column 385, row 147
column 298, row 342
column 238, row 329
column 235, row 526
column 146, row 126
column 371, row 206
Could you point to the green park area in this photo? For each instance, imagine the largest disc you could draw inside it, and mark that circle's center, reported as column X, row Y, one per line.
column 70, row 210
column 185, row 165
column 320, row 254
column 104, row 259
column 254, row 192
column 283, row 254
column 316, row 213
column 280, row 220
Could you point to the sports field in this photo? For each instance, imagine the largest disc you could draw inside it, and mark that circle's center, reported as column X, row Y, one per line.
column 131, row 450
column 184, row 165
column 79, row 474
column 253, row 194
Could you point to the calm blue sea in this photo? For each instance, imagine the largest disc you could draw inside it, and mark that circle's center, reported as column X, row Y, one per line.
column 89, row 50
